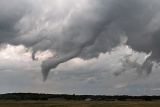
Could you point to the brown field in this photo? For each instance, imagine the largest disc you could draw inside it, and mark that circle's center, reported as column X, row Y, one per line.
column 79, row 104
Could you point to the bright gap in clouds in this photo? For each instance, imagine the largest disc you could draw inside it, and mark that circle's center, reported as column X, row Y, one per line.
column 21, row 53
column 16, row 53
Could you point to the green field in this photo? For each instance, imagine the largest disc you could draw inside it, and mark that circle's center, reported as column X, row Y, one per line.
column 79, row 104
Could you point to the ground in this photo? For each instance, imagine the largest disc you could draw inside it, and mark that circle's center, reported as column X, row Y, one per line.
column 79, row 103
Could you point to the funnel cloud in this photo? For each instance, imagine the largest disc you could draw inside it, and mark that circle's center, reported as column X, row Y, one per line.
column 83, row 29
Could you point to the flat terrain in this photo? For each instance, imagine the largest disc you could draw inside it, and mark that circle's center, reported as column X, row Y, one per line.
column 79, row 104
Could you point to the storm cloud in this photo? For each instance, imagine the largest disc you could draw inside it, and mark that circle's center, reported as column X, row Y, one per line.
column 82, row 29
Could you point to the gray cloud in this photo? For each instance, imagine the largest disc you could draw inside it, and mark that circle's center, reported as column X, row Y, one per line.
column 143, row 69
column 76, row 76
column 82, row 29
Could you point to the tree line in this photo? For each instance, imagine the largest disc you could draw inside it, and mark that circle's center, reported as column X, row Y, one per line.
column 40, row 96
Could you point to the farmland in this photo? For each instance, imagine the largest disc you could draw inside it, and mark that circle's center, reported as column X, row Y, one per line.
column 63, row 103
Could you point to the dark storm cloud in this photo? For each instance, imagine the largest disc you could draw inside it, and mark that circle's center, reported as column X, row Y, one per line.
column 82, row 29
column 10, row 14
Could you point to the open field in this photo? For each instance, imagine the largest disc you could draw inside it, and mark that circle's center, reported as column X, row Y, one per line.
column 79, row 104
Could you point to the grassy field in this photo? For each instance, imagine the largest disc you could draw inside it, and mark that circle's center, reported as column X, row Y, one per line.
column 79, row 104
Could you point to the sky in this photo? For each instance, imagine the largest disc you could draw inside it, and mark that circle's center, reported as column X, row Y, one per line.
column 98, row 47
